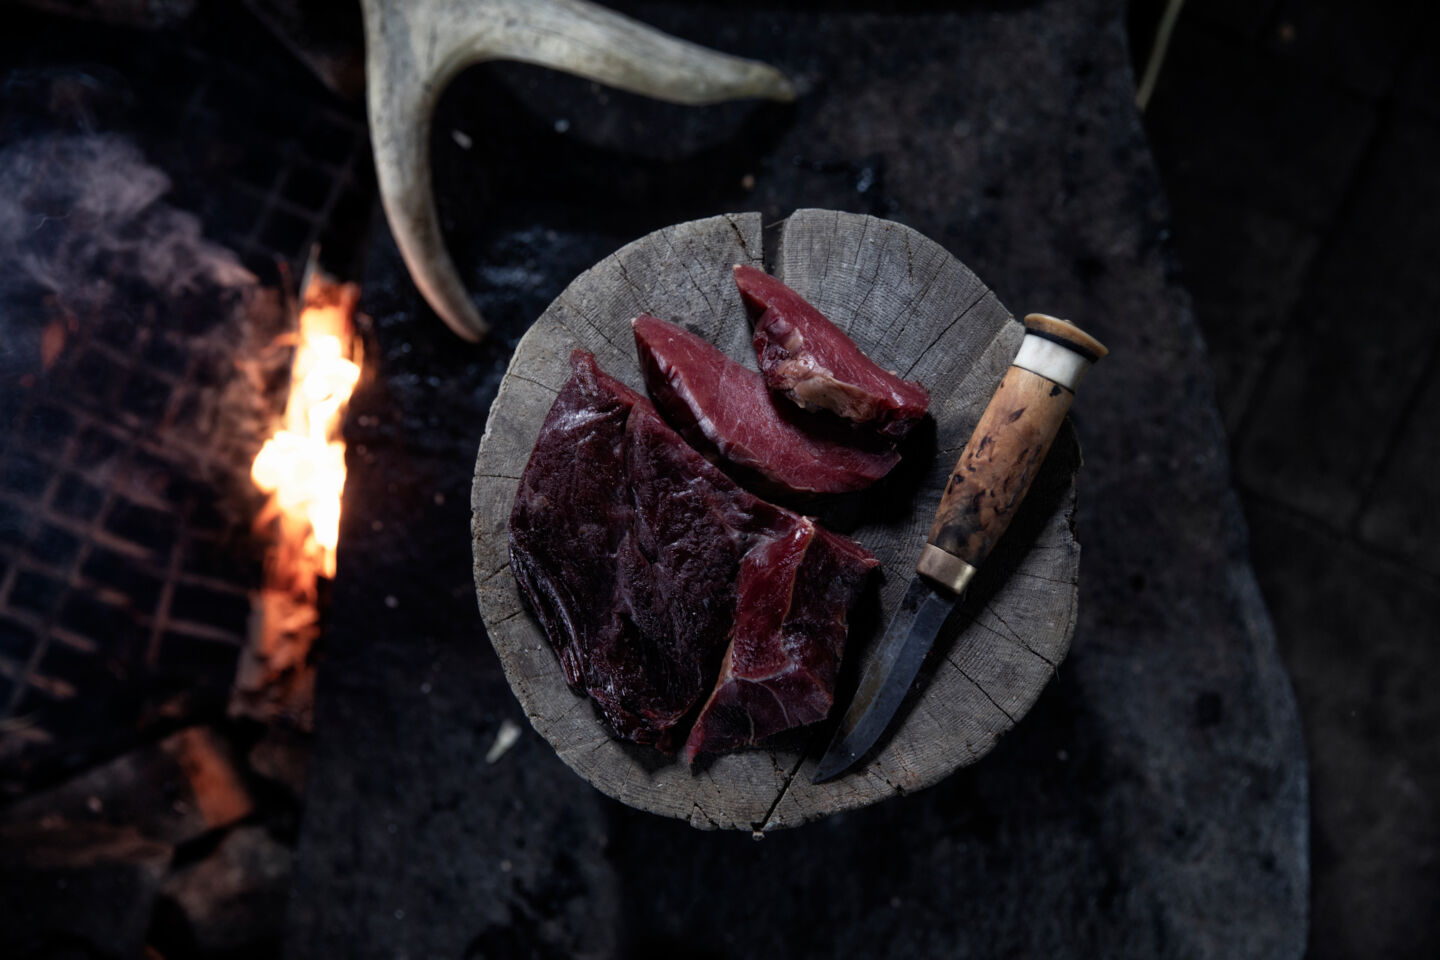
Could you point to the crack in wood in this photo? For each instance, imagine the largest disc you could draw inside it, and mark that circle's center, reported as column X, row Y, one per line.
column 1035, row 576
column 899, row 790
column 582, row 751
column 764, row 823
column 995, row 703
column 984, row 290
column 860, row 249
column 913, row 301
column 543, row 386
column 491, row 575
column 569, row 712
column 696, row 808
column 835, row 232
column 635, row 287
column 574, row 308
column 871, row 286
column 684, row 263
column 1015, row 635
column 1012, row 637
column 740, row 236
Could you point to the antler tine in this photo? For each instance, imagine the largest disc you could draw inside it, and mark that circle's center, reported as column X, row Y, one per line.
column 415, row 47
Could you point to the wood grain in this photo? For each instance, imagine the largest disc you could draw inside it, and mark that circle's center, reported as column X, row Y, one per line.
column 914, row 309
column 998, row 465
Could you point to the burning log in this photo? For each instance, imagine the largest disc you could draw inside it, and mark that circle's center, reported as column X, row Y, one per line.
column 302, row 468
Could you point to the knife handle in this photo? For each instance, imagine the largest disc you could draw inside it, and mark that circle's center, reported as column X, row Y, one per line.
column 1004, row 453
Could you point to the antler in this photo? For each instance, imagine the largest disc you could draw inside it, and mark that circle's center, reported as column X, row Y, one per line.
column 415, row 47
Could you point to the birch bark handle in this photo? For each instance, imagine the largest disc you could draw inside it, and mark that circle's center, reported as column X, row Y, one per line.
column 1004, row 453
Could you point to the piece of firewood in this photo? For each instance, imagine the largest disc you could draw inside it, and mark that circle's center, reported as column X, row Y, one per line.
column 913, row 308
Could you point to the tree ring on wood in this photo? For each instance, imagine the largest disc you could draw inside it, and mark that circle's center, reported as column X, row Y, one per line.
column 913, row 308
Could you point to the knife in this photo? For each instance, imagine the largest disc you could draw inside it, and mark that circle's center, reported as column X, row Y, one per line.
column 984, row 491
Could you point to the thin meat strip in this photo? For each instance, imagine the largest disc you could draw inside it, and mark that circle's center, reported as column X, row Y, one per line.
column 724, row 409
column 808, row 359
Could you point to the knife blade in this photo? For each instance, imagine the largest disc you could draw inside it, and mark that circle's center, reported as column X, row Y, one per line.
column 987, row 486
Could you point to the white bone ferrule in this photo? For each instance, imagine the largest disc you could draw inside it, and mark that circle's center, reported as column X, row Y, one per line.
column 1051, row 360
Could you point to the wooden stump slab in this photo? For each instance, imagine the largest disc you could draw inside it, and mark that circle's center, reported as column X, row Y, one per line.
column 913, row 308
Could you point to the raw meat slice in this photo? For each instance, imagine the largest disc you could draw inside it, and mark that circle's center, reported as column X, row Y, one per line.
column 723, row 408
column 795, row 593
column 806, row 357
column 628, row 545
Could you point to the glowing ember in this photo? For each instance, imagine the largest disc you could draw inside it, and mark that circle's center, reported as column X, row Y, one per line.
column 303, row 465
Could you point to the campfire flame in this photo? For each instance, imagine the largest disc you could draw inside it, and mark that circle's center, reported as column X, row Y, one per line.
column 303, row 465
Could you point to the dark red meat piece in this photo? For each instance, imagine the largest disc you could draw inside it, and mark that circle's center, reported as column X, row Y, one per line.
column 628, row 545
column 795, row 593
column 723, row 408
column 806, row 357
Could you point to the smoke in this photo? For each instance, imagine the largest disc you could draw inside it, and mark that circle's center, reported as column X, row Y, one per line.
column 97, row 272
column 78, row 210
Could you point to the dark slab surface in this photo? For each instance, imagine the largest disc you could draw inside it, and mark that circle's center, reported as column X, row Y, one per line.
column 1357, row 46
column 1349, row 364
column 1344, row 546
column 1362, row 681
column 1153, row 803
column 1291, row 146
column 1252, row 266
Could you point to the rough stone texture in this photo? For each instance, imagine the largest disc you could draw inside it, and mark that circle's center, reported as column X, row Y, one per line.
column 1365, row 688
column 1152, row 804
column 1401, row 515
column 1252, row 266
column 1342, row 367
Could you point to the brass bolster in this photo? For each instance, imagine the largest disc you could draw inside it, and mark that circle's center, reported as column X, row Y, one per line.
column 944, row 568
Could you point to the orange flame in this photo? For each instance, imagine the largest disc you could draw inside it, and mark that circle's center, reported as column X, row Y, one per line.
column 303, row 465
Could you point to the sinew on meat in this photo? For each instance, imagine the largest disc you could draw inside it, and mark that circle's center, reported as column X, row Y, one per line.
column 725, row 409
column 808, row 359
column 632, row 550
column 790, row 628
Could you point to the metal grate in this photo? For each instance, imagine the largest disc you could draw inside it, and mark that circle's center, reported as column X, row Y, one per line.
column 270, row 161
column 304, row 183
column 128, row 426
column 125, row 554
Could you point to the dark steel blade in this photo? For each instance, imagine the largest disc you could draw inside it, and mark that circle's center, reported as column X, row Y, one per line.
column 887, row 679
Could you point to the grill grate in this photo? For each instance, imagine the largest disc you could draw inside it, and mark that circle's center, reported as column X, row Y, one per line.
column 132, row 405
column 126, row 555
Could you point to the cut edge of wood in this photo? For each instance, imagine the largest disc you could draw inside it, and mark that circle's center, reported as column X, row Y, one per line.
column 731, row 793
